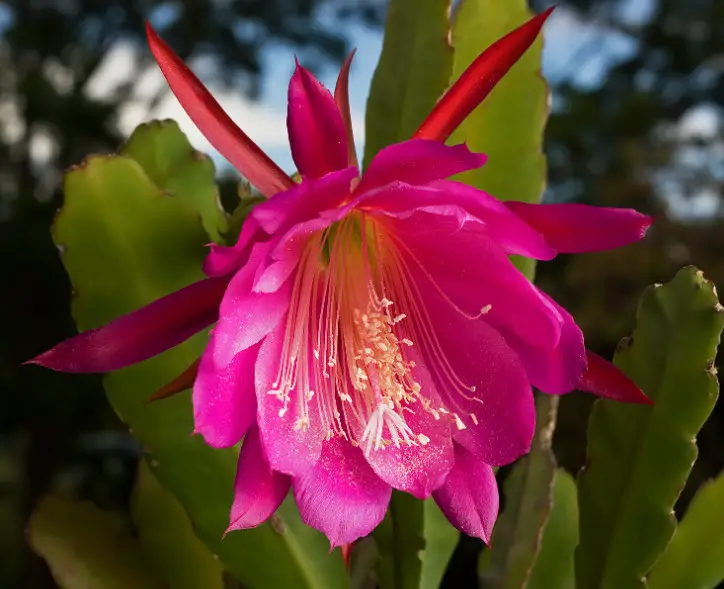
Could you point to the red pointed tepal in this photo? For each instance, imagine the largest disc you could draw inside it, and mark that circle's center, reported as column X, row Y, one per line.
column 478, row 80
column 235, row 145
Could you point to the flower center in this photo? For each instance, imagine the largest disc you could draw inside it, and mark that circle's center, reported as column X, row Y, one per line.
column 347, row 351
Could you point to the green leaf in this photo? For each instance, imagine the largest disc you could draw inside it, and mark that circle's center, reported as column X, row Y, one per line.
column 639, row 457
column 413, row 72
column 528, row 499
column 695, row 557
column 554, row 565
column 166, row 155
column 125, row 242
column 508, row 125
column 415, row 542
column 88, row 548
column 441, row 538
column 168, row 539
column 399, row 540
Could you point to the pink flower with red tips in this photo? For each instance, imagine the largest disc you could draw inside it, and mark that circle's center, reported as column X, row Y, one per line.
column 371, row 332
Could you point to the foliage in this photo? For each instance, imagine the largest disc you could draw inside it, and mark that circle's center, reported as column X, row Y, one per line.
column 614, row 141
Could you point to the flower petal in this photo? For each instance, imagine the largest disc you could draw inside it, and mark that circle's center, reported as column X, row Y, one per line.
column 258, row 490
column 554, row 370
column 222, row 260
column 288, row 249
column 477, row 375
column 606, row 380
column 418, row 161
column 224, row 398
column 577, row 228
column 341, row 496
column 245, row 317
column 141, row 334
column 290, row 449
column 504, row 227
column 317, row 133
column 479, row 79
column 469, row 497
column 416, row 469
column 215, row 124
column 341, row 97
column 481, row 276
column 302, row 202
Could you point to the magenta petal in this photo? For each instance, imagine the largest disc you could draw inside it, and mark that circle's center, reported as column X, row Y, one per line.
column 223, row 260
column 258, row 490
column 305, row 201
column 554, row 370
column 606, row 380
column 341, row 496
column 504, row 227
column 288, row 250
column 289, row 448
column 469, row 497
column 483, row 380
column 278, row 214
column 482, row 274
column 421, row 468
column 245, row 317
column 224, row 398
column 141, row 334
column 577, row 228
column 316, row 130
column 418, row 161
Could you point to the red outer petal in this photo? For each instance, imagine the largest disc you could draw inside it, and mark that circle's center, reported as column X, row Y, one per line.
column 605, row 380
column 346, row 553
column 235, row 145
column 141, row 334
column 479, row 79
column 341, row 97
column 182, row 382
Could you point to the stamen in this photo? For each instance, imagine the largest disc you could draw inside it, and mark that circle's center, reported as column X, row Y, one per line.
column 343, row 362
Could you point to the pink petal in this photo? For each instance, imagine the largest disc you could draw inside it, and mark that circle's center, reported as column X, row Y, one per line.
column 215, row 124
column 476, row 82
column 258, row 490
column 469, row 497
column 245, row 317
column 504, row 227
column 554, row 370
column 341, row 97
column 482, row 274
column 223, row 260
column 576, row 228
column 290, row 247
column 317, row 133
column 422, row 468
column 478, row 376
column 605, row 380
column 289, row 448
column 418, row 161
column 141, row 334
column 341, row 496
column 303, row 202
column 224, row 398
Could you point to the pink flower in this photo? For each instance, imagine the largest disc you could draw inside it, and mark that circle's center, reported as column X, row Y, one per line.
column 371, row 332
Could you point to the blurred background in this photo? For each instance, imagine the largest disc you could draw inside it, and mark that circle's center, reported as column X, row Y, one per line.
column 637, row 121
